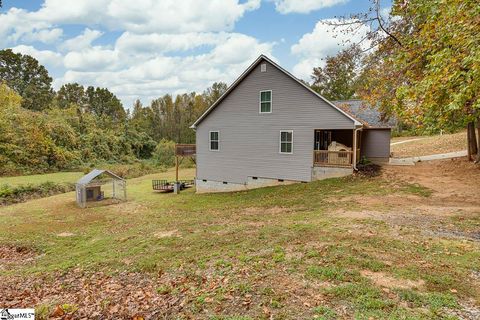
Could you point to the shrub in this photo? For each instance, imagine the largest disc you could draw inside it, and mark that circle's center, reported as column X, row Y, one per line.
column 164, row 154
column 21, row 193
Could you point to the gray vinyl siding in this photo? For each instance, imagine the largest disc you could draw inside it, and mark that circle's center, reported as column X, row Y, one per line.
column 376, row 143
column 249, row 141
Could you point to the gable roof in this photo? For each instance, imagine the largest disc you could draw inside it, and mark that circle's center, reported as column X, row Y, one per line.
column 95, row 173
column 247, row 72
column 366, row 114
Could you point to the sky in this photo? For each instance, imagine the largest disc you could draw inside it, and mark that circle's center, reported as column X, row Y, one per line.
column 143, row 49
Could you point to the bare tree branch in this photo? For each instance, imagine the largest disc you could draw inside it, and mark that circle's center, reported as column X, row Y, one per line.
column 380, row 23
column 372, row 17
column 349, row 23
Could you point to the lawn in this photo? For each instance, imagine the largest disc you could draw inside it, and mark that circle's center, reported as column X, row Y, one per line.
column 426, row 145
column 322, row 250
column 59, row 177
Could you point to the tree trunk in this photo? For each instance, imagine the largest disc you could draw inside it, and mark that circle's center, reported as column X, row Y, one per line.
column 471, row 141
column 478, row 141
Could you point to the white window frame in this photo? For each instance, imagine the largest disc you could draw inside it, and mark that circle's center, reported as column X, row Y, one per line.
column 210, row 140
column 280, row 142
column 260, row 101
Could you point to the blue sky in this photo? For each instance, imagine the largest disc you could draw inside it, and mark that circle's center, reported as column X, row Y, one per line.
column 147, row 48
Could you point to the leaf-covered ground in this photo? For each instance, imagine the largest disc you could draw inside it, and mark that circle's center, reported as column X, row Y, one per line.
column 425, row 145
column 403, row 245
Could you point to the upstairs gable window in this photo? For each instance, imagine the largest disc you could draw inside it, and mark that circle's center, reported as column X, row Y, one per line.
column 266, row 101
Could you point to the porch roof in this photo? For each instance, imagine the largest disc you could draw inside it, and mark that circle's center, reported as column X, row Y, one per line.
column 369, row 116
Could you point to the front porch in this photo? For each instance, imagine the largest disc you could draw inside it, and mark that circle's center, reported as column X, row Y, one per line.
column 336, row 148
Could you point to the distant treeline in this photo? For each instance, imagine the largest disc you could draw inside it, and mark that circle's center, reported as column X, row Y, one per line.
column 42, row 130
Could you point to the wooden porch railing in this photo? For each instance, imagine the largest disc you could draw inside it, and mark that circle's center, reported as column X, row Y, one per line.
column 332, row 158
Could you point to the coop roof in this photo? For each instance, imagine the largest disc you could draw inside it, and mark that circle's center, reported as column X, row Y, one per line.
column 86, row 179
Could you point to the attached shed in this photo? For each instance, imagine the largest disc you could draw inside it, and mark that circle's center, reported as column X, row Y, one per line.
column 100, row 185
column 375, row 137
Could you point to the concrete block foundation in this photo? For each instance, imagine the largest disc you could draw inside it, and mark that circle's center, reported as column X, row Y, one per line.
column 204, row 186
column 320, row 173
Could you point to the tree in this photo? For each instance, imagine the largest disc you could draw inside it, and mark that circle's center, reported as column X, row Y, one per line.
column 214, row 92
column 28, row 78
column 71, row 93
column 105, row 105
column 338, row 79
column 426, row 66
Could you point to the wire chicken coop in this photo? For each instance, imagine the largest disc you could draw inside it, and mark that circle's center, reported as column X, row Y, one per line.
column 100, row 187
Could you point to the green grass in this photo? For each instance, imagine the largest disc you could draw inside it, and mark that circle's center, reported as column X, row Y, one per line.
column 332, row 273
column 270, row 246
column 325, row 313
column 59, row 177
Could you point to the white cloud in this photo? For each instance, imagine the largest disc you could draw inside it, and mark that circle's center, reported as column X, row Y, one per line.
column 323, row 41
column 141, row 16
column 144, row 16
column 133, row 74
column 82, row 41
column 163, row 42
column 234, row 49
column 17, row 23
column 167, row 46
column 45, row 57
column 96, row 58
column 44, row 35
column 304, row 6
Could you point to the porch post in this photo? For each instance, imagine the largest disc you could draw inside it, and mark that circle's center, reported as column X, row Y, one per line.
column 354, row 160
column 354, row 155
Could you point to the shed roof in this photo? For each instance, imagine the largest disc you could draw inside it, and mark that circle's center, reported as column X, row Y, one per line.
column 95, row 173
column 244, row 75
column 369, row 116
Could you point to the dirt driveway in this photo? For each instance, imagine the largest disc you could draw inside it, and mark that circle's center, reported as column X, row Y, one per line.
column 454, row 180
column 452, row 210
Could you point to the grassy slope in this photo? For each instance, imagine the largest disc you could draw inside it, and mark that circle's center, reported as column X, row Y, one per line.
column 59, row 177
column 276, row 246
column 429, row 145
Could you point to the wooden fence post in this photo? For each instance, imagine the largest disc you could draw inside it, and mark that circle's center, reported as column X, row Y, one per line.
column 176, row 168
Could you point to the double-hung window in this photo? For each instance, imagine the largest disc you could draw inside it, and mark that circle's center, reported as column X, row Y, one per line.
column 214, row 140
column 266, row 101
column 286, row 141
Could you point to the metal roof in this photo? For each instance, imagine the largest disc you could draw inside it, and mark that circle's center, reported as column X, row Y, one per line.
column 86, row 179
column 247, row 71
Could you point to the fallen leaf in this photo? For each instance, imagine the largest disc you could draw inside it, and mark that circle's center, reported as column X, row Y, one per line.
column 266, row 310
column 58, row 312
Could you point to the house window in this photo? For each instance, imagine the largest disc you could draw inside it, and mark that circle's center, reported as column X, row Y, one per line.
column 214, row 140
column 286, row 141
column 266, row 101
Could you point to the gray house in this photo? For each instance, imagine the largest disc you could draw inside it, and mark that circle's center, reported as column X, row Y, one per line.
column 269, row 128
